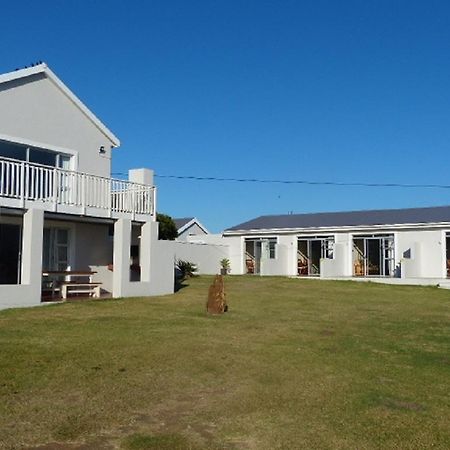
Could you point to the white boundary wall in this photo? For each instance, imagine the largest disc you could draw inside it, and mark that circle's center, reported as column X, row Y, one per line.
column 205, row 251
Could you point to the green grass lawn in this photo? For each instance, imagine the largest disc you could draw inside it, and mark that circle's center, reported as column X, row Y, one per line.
column 293, row 364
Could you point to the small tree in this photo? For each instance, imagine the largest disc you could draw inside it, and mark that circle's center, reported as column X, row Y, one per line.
column 167, row 228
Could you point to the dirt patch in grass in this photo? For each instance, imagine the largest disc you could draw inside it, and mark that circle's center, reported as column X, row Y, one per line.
column 392, row 403
column 159, row 442
column 93, row 445
column 327, row 333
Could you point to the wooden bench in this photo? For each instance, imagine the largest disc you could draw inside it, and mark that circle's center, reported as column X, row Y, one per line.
column 73, row 287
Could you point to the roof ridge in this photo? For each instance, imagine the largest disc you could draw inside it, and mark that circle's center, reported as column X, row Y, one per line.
column 428, row 214
column 353, row 211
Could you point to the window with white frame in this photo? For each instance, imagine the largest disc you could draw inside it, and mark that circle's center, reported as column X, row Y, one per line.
column 36, row 155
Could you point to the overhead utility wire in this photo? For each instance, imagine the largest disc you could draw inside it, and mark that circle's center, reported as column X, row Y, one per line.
column 304, row 182
column 307, row 182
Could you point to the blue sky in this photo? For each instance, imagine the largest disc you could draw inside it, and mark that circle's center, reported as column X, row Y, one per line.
column 320, row 90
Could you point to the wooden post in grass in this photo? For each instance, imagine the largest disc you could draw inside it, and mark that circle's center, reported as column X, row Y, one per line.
column 216, row 297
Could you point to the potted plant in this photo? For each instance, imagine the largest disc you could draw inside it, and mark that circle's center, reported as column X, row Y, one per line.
column 224, row 266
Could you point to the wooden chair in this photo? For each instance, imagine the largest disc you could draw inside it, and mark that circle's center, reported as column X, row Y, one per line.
column 302, row 267
column 358, row 268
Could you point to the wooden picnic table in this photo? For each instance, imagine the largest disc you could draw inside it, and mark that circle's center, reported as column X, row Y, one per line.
column 61, row 280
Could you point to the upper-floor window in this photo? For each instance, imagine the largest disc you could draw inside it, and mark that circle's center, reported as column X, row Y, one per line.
column 35, row 155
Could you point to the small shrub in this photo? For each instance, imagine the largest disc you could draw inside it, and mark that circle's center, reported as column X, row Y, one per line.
column 186, row 269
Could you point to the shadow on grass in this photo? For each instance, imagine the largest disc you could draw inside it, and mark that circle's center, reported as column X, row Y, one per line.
column 180, row 284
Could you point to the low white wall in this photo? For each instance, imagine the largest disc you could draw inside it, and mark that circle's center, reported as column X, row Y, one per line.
column 206, row 256
column 235, row 246
column 19, row 296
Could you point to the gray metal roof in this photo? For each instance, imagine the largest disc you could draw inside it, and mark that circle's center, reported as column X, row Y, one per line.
column 351, row 218
column 181, row 222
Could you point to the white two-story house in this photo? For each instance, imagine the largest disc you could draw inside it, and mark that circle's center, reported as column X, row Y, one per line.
column 60, row 211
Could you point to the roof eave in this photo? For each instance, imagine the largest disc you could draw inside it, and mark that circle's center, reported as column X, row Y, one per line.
column 336, row 228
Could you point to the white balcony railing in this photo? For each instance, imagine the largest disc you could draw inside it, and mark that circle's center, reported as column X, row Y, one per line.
column 55, row 187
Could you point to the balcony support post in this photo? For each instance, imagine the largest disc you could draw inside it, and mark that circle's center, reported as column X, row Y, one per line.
column 22, row 184
column 55, row 189
column 83, row 194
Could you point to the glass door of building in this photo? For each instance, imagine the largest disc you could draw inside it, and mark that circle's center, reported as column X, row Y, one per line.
column 56, row 249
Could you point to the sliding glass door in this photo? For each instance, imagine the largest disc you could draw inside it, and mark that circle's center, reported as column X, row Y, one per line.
column 56, row 249
column 257, row 249
column 310, row 250
column 373, row 255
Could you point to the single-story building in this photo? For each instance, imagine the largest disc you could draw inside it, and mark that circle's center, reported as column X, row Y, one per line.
column 406, row 244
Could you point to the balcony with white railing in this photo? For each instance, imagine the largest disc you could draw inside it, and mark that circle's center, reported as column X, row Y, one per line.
column 24, row 185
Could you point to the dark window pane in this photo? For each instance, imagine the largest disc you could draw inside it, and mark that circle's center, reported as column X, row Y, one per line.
column 42, row 157
column 13, row 151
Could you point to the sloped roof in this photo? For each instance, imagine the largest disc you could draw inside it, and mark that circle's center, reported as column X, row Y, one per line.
column 182, row 222
column 45, row 70
column 435, row 214
column 186, row 222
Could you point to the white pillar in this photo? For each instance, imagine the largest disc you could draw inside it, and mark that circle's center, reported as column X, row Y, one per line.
column 121, row 259
column 141, row 176
column 32, row 235
column 149, row 235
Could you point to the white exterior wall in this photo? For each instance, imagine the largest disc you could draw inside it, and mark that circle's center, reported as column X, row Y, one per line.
column 237, row 258
column 156, row 260
column 289, row 243
column 341, row 264
column 93, row 250
column 282, row 263
column 427, row 251
column 33, row 110
column 192, row 232
column 207, row 257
